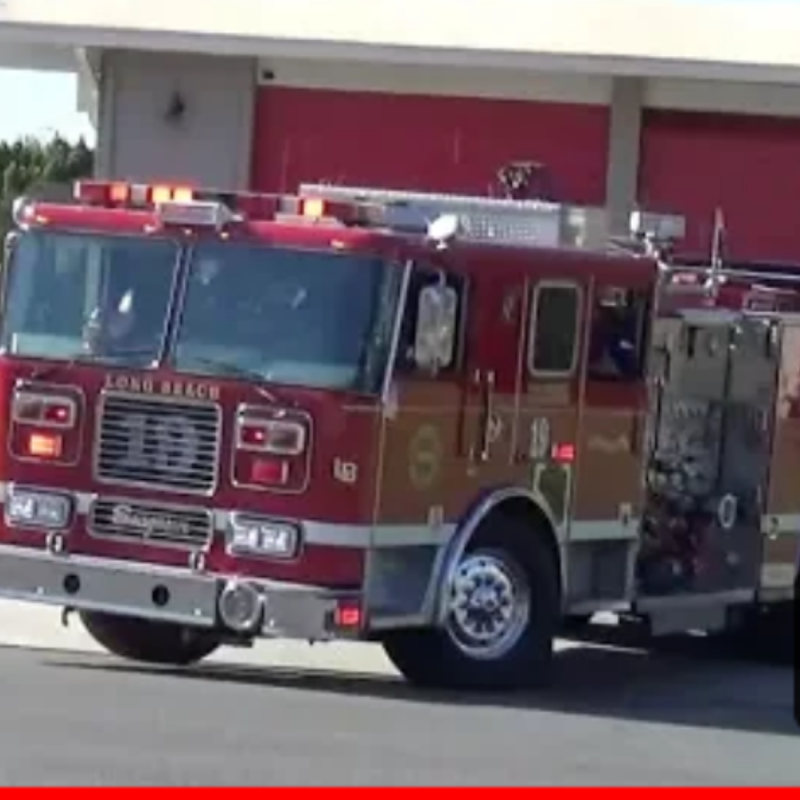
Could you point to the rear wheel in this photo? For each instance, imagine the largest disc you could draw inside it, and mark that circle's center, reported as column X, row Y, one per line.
column 575, row 624
column 502, row 613
column 765, row 633
column 149, row 642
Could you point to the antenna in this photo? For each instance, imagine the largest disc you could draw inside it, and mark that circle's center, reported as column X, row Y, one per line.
column 718, row 242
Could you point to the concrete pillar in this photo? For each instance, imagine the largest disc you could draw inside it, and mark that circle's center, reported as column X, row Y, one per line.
column 88, row 83
column 624, row 145
column 173, row 117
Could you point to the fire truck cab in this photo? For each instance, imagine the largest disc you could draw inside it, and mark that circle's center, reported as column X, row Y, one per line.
column 443, row 423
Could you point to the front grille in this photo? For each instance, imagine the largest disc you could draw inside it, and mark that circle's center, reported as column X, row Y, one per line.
column 152, row 523
column 162, row 444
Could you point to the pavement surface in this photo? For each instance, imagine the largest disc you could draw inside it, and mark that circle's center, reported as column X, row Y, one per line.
column 337, row 714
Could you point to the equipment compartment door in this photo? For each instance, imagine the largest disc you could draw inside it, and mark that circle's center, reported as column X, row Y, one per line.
column 745, row 453
column 709, row 454
column 782, row 524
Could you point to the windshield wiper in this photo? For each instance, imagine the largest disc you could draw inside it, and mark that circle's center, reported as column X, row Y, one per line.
column 130, row 352
column 230, row 369
column 90, row 358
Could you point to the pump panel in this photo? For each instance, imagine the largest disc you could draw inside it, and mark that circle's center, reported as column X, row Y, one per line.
column 711, row 422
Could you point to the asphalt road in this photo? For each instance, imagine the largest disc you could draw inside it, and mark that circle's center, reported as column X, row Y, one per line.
column 614, row 717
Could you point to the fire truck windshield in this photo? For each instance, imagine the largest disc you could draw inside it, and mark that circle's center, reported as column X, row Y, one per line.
column 306, row 317
column 317, row 318
column 71, row 296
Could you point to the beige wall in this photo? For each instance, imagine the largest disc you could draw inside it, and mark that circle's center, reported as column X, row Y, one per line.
column 211, row 143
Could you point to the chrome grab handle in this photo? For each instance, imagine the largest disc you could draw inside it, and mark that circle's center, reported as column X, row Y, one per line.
column 488, row 415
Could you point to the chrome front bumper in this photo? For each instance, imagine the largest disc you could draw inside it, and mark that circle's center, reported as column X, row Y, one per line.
column 163, row 594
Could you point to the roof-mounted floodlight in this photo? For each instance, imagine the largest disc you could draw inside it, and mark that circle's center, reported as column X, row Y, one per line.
column 658, row 227
column 444, row 229
column 21, row 210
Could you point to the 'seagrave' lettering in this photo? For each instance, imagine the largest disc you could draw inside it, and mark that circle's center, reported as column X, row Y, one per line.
column 147, row 523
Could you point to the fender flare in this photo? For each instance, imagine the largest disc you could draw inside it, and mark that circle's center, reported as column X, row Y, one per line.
column 451, row 553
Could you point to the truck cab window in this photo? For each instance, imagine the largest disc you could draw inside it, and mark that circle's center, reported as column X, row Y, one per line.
column 69, row 294
column 616, row 346
column 303, row 317
column 553, row 335
column 420, row 279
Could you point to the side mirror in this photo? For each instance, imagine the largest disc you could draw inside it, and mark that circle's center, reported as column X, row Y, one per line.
column 437, row 314
column 9, row 244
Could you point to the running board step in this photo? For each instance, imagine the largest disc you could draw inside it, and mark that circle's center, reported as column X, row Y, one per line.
column 673, row 615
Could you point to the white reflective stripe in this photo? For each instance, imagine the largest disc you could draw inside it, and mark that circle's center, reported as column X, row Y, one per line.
column 778, row 576
column 314, row 532
column 603, row 530
column 405, row 535
column 597, row 530
column 410, row 535
column 780, row 523
column 361, row 536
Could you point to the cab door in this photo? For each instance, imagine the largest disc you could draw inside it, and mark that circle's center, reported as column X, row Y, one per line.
column 490, row 422
column 613, row 414
column 550, row 387
column 421, row 453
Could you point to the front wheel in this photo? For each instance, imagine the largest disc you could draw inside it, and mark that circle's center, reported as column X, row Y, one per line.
column 163, row 643
column 502, row 611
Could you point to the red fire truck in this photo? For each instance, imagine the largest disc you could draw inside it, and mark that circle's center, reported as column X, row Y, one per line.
column 447, row 424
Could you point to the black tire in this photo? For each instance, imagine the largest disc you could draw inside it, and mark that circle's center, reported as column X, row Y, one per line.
column 575, row 623
column 149, row 642
column 765, row 634
column 431, row 658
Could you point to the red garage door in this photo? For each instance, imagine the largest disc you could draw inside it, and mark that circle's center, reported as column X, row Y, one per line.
column 420, row 142
column 748, row 166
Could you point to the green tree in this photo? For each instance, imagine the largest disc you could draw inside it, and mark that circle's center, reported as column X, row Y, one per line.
column 30, row 165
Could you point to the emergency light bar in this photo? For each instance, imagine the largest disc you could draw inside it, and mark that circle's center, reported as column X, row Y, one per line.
column 193, row 213
column 505, row 221
column 481, row 219
column 130, row 195
column 175, row 205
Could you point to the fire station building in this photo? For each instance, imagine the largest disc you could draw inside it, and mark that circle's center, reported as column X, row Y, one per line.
column 683, row 106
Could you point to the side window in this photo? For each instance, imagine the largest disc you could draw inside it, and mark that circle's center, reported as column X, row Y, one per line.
column 554, row 332
column 617, row 343
column 420, row 280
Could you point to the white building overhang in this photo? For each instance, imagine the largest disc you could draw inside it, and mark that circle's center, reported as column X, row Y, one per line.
column 749, row 40
column 40, row 56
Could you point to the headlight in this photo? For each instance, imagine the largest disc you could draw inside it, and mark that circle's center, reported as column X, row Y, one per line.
column 37, row 509
column 251, row 536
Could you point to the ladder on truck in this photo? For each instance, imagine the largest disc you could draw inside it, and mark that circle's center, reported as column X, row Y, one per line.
column 538, row 223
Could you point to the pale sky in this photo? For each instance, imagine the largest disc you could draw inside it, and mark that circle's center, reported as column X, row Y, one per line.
column 39, row 103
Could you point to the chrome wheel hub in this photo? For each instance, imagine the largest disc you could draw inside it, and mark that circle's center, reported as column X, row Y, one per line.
column 489, row 605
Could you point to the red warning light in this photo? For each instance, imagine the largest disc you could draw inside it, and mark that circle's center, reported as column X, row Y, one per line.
column 564, row 453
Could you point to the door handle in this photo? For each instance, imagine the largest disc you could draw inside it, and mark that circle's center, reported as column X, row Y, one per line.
column 638, row 429
column 480, row 450
column 487, row 431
